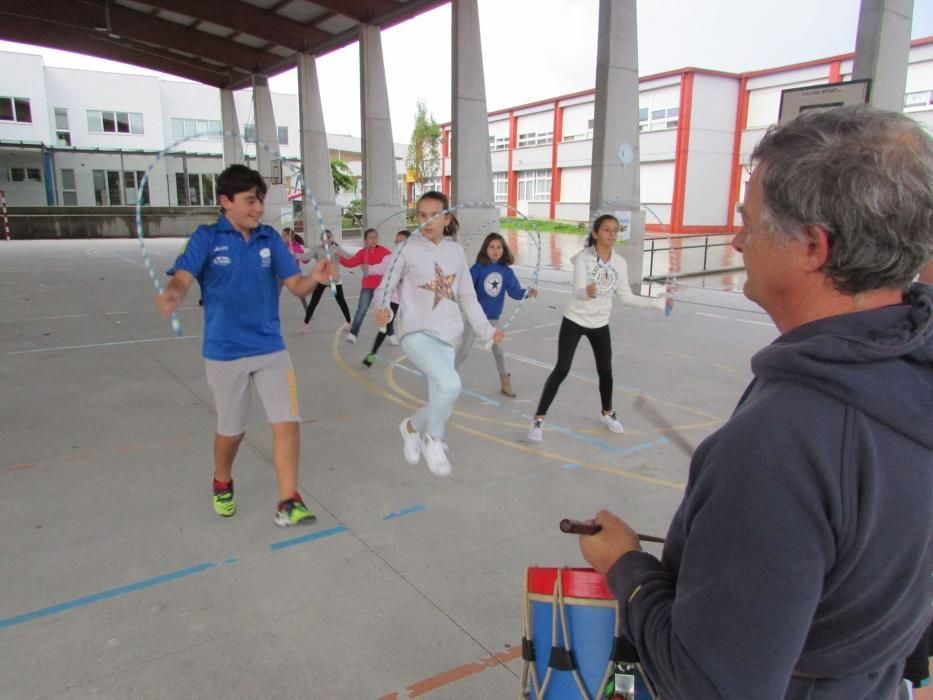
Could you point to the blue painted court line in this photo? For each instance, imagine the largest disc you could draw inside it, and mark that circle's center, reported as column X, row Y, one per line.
column 104, row 595
column 405, row 511
column 571, row 466
column 307, row 538
column 484, row 399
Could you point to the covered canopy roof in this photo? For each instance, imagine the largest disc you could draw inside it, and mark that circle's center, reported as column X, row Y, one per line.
column 215, row 42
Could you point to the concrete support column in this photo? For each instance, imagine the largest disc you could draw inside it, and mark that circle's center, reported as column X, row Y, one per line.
column 882, row 48
column 315, row 156
column 471, row 165
column 267, row 150
column 233, row 144
column 382, row 204
column 614, row 184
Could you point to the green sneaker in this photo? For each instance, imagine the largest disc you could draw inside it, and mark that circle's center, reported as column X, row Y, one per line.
column 224, row 502
column 369, row 359
column 293, row 512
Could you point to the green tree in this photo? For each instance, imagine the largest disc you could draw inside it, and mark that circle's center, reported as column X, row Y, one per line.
column 424, row 151
column 343, row 178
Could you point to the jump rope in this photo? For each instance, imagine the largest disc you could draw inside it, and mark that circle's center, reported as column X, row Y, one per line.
column 602, row 280
column 482, row 229
column 308, row 197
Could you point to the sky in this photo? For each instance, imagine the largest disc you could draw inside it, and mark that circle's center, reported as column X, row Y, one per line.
column 539, row 49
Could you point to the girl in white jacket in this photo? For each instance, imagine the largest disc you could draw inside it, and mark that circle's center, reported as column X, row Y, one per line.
column 436, row 295
column 598, row 274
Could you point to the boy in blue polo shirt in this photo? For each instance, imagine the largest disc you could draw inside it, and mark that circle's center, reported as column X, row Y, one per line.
column 239, row 262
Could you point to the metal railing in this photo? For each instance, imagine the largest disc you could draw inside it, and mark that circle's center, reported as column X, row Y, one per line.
column 688, row 254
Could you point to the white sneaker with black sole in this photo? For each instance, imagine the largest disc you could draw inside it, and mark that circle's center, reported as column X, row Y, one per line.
column 611, row 421
column 536, row 431
column 433, row 451
column 412, row 449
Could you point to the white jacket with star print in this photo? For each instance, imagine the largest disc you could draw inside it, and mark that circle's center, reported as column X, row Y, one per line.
column 436, row 291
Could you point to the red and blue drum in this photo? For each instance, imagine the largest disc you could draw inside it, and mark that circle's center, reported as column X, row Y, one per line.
column 573, row 648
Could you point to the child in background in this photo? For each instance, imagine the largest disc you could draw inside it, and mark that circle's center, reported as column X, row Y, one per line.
column 492, row 279
column 371, row 254
column 435, row 295
column 296, row 245
column 380, row 269
column 315, row 255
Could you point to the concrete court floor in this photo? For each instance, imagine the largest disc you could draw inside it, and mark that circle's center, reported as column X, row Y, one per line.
column 117, row 580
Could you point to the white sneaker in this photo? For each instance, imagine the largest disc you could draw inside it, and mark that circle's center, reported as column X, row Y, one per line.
column 412, row 450
column 612, row 422
column 393, row 340
column 433, row 451
column 350, row 338
column 536, row 431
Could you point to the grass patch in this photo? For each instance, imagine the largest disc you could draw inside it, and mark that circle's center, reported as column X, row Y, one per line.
column 542, row 225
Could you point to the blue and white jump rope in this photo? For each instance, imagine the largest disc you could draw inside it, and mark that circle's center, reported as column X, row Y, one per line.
column 308, row 196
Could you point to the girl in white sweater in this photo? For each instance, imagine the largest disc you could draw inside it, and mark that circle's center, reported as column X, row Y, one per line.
column 598, row 274
column 436, row 294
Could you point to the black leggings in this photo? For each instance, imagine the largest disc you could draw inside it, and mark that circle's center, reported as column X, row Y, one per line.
column 316, row 297
column 567, row 340
column 390, row 330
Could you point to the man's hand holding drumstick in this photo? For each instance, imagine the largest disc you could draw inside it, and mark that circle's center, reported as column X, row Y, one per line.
column 614, row 539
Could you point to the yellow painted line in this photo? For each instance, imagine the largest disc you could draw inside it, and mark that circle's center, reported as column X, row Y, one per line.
column 563, row 459
column 725, row 369
column 689, row 409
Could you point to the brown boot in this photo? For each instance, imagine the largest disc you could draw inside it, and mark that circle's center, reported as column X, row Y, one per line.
column 506, row 388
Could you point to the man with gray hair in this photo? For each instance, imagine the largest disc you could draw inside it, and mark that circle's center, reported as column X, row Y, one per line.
column 799, row 562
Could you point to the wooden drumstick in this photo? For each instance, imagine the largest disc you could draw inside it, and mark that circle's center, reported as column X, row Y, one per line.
column 577, row 527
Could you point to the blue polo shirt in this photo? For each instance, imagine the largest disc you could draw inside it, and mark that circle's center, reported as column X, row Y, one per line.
column 240, row 284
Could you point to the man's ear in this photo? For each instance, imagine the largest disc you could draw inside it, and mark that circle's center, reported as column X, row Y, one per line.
column 224, row 201
column 816, row 251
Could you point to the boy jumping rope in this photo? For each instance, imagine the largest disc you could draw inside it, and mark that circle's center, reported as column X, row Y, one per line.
column 239, row 263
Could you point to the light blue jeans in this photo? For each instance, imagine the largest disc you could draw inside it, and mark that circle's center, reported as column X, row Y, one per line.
column 435, row 359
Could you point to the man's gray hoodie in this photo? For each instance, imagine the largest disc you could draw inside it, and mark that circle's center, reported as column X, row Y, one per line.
column 799, row 562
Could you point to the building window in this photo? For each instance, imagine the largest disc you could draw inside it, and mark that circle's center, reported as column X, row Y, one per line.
column 108, row 191
column 62, row 131
column 500, row 186
column 918, row 100
column 534, row 185
column 656, row 119
column 132, row 179
column 15, row 109
column 25, row 175
column 106, row 122
column 249, row 134
column 532, row 138
column 498, row 143
column 201, row 129
column 69, row 188
column 201, row 190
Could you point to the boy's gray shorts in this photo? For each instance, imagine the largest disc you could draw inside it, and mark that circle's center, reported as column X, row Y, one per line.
column 274, row 378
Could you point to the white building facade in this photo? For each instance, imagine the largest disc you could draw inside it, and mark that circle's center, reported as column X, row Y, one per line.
column 86, row 138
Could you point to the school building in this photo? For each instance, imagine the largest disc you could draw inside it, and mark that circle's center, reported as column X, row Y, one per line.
column 697, row 129
column 85, row 138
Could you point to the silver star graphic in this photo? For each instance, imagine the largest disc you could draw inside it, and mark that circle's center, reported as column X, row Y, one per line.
column 442, row 285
